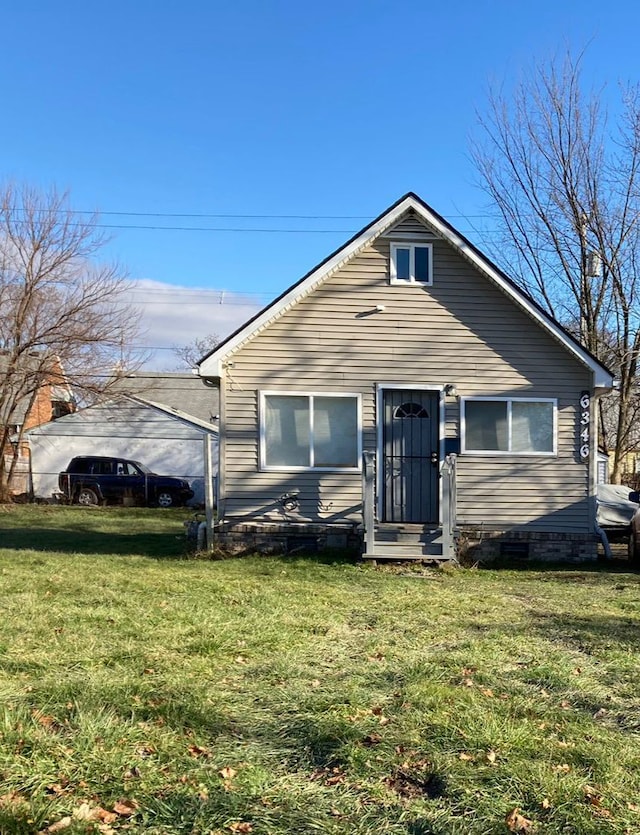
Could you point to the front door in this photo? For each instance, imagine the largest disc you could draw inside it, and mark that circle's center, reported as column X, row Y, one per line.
column 410, row 456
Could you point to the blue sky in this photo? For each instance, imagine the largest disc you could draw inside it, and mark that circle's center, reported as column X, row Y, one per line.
column 329, row 110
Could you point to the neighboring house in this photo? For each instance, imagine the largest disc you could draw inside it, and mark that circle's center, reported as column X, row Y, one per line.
column 165, row 439
column 408, row 355
column 52, row 399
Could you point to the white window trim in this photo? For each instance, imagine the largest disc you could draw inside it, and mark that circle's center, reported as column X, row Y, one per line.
column 393, row 279
column 310, row 394
column 508, row 453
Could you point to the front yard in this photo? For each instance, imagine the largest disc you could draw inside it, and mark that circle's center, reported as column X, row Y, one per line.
column 143, row 692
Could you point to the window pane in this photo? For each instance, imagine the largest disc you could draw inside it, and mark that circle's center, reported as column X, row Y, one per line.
column 531, row 427
column 422, row 263
column 486, row 425
column 403, row 272
column 335, row 432
column 286, row 431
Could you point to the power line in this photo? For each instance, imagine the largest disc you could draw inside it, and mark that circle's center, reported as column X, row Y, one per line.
column 218, row 216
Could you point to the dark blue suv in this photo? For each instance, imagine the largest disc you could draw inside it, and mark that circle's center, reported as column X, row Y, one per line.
column 95, row 479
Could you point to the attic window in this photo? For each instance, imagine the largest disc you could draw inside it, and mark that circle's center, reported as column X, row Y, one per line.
column 411, row 264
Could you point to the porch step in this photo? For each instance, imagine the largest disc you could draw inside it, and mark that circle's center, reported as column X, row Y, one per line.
column 407, row 534
column 404, row 551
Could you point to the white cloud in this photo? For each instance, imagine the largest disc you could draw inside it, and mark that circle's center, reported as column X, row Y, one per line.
column 176, row 315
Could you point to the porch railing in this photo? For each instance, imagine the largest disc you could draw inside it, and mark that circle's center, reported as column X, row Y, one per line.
column 449, row 506
column 369, row 500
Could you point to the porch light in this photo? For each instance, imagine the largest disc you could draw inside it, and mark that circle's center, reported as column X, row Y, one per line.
column 450, row 390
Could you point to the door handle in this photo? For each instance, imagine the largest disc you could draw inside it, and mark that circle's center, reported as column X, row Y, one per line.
column 434, row 458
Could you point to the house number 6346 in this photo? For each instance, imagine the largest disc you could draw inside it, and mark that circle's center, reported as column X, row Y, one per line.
column 585, row 421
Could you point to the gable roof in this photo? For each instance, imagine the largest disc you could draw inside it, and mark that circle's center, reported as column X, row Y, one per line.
column 181, row 391
column 212, row 364
column 54, row 427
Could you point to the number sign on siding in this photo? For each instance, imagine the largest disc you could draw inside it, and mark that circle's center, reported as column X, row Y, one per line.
column 584, row 427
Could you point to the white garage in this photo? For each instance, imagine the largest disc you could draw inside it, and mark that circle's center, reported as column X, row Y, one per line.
column 164, row 439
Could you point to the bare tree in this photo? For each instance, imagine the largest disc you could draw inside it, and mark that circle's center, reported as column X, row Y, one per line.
column 565, row 183
column 193, row 351
column 64, row 319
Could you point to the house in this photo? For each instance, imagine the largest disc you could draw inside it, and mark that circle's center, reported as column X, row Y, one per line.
column 407, row 392
column 45, row 396
column 165, row 438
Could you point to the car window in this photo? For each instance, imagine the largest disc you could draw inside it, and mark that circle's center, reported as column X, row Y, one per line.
column 102, row 468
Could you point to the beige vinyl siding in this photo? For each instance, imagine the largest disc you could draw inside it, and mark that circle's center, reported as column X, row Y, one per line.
column 461, row 330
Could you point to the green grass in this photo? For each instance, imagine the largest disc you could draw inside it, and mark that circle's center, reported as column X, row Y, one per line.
column 278, row 696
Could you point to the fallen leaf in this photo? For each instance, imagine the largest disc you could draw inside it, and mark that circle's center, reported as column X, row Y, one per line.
column 240, row 826
column 592, row 795
column 240, row 659
column 148, row 671
column 467, row 682
column 577, row 671
column 562, row 769
column 600, row 713
column 491, row 756
column 227, row 773
column 546, row 803
column 58, row 826
column 197, row 751
column 633, row 807
column 465, row 757
column 125, row 808
column 372, row 739
column 486, row 691
column 518, row 823
column 565, row 705
column 315, row 682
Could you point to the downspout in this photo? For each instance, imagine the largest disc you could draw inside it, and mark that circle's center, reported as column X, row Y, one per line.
column 602, row 534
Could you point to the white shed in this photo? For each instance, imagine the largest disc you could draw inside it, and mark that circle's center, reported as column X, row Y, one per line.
column 166, row 440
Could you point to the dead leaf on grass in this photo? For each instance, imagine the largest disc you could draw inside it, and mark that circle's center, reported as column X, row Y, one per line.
column 227, row 773
column 565, row 768
column 240, row 826
column 491, row 756
column 198, row 751
column 546, row 803
column 125, row 808
column 58, row 826
column 465, row 757
column 518, row 823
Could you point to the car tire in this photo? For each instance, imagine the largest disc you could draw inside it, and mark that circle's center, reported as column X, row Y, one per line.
column 634, row 551
column 87, row 496
column 166, row 498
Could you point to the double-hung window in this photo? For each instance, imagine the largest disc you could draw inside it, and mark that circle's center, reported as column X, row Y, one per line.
column 522, row 426
column 309, row 431
column 411, row 264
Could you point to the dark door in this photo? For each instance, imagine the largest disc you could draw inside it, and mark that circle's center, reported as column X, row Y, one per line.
column 410, row 450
